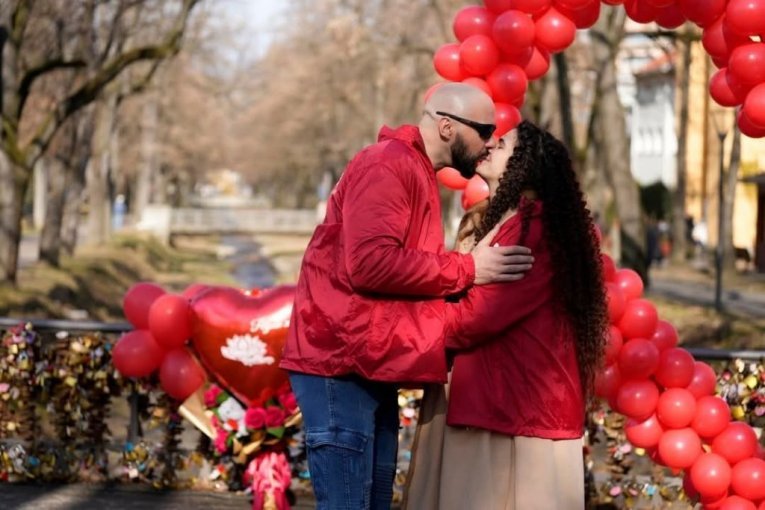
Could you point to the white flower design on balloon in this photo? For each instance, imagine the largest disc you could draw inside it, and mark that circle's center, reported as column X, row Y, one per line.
column 248, row 350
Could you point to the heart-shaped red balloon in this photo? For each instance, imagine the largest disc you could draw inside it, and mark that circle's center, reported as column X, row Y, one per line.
column 240, row 338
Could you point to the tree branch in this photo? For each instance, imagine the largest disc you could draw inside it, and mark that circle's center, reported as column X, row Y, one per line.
column 19, row 20
column 29, row 78
column 90, row 90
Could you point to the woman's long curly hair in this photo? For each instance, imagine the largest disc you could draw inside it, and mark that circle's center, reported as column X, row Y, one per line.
column 541, row 163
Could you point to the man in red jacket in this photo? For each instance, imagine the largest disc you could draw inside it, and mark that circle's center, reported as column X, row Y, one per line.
column 370, row 297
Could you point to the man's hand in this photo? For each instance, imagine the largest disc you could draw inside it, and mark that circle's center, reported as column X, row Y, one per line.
column 495, row 264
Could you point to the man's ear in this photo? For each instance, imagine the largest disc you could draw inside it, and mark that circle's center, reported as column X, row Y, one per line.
column 445, row 129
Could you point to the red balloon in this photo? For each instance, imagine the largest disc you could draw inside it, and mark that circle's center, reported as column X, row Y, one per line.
column 748, row 479
column 498, row 6
column 572, row 5
column 725, row 90
column 616, row 302
column 476, row 191
column 613, row 2
column 507, row 82
column 193, row 290
column 584, row 16
column 746, row 17
column 711, row 475
column 513, row 30
column 521, row 57
column 170, row 321
column 554, row 31
column 704, row 380
column 451, row 178
column 507, row 117
column 644, row 434
column 747, row 127
column 661, row 3
column 464, row 201
column 630, row 283
column 446, row 61
column 639, row 319
column 665, row 336
column 533, row 7
column 688, row 488
column 607, row 382
column 747, row 63
column 670, row 16
column 538, row 65
column 137, row 354
column 637, row 399
column 702, row 12
column 737, row 503
column 638, row 359
column 479, row 55
column 640, row 10
column 675, row 368
column 737, row 442
column 478, row 83
column 676, row 408
column 137, row 301
column 609, row 268
column 762, row 506
column 719, row 40
column 614, row 345
column 680, row 448
column 472, row 20
column 712, row 416
column 180, row 375
column 714, row 503
column 754, row 106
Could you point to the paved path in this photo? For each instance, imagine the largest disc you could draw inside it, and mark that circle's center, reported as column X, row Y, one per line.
column 119, row 497
column 745, row 304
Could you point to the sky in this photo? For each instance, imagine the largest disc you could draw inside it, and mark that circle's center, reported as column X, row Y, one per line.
column 259, row 20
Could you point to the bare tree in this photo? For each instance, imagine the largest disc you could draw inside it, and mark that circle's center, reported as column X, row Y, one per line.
column 32, row 38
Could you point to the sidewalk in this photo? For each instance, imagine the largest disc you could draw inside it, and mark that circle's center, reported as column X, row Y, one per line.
column 742, row 294
column 120, row 497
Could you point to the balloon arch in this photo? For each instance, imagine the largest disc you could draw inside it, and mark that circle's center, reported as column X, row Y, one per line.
column 507, row 43
column 667, row 396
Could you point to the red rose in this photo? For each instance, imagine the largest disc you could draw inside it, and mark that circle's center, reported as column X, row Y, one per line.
column 255, row 418
column 288, row 402
column 274, row 417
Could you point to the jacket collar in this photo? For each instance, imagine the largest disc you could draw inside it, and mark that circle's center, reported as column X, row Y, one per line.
column 407, row 133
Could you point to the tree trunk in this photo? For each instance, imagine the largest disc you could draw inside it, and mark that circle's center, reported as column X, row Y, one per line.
column 99, row 210
column 729, row 197
column 75, row 181
column 612, row 145
column 564, row 97
column 679, row 226
column 50, row 238
column 14, row 181
column 148, row 167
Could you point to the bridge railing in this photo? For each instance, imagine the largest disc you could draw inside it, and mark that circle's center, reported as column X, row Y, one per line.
column 164, row 221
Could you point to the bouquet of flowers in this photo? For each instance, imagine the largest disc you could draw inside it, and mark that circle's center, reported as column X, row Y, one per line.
column 258, row 436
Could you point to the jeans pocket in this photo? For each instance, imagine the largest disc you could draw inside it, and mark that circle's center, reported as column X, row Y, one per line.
column 339, row 468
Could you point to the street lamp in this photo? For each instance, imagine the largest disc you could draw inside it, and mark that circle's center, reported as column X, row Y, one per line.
column 721, row 127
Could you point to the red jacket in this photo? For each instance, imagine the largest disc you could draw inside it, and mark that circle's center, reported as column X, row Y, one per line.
column 515, row 371
column 369, row 299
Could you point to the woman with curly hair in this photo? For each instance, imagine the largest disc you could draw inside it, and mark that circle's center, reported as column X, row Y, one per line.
column 525, row 353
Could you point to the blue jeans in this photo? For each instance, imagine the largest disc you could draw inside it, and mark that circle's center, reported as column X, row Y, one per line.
column 351, row 427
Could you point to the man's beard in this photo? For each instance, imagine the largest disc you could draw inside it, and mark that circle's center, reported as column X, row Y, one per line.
column 462, row 160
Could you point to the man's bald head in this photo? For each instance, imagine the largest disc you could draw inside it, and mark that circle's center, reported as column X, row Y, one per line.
column 456, row 127
column 463, row 100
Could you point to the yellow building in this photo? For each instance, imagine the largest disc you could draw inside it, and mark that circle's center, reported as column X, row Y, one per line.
column 703, row 166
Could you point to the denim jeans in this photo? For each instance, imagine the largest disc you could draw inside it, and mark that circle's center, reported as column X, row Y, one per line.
column 351, row 427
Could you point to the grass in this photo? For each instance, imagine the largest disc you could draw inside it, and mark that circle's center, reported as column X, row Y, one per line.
column 92, row 284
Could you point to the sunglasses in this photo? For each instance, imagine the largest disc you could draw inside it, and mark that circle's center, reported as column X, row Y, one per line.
column 484, row 130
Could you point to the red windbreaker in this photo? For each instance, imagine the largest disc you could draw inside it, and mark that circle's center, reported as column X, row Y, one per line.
column 515, row 371
column 369, row 299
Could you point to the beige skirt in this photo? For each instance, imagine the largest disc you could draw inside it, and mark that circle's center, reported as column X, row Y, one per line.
column 458, row 469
